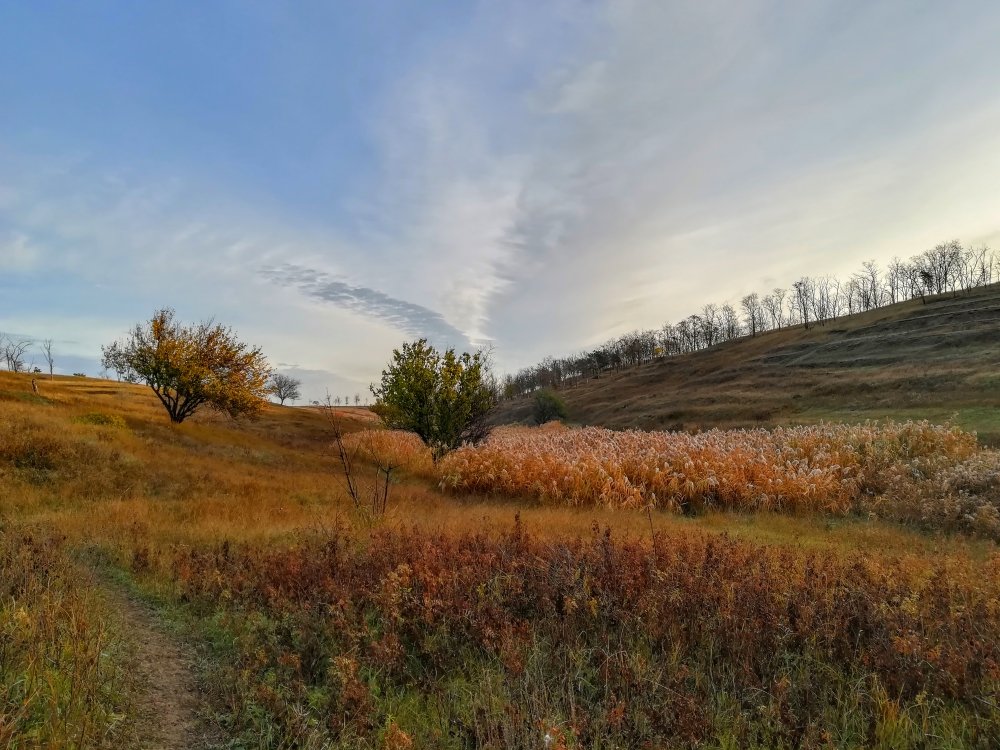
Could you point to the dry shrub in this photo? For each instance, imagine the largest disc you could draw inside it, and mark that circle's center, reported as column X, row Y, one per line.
column 963, row 497
column 619, row 644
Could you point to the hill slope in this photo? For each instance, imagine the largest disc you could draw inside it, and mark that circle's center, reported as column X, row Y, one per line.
column 936, row 361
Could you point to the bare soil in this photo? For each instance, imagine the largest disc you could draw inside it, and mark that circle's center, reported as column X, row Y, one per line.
column 169, row 701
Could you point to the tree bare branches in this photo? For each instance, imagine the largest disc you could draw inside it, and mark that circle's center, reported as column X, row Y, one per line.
column 49, row 355
column 370, row 504
column 14, row 352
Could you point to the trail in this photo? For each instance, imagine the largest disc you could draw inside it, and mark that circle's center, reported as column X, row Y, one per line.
column 169, row 698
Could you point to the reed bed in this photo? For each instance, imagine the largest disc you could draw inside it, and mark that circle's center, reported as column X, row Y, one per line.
column 829, row 468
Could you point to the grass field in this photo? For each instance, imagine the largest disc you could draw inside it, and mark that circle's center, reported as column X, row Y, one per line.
column 211, row 585
column 936, row 361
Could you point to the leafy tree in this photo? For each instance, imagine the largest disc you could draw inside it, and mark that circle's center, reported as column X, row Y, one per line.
column 188, row 366
column 446, row 398
column 285, row 387
column 548, row 406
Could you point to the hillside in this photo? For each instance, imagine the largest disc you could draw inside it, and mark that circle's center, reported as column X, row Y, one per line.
column 910, row 360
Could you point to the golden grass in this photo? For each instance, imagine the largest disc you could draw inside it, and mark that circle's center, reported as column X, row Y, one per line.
column 210, row 479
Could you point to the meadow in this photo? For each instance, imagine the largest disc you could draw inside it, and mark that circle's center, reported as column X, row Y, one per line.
column 822, row 586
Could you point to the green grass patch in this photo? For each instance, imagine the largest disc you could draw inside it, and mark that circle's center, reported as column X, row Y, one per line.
column 983, row 420
column 25, row 397
column 99, row 419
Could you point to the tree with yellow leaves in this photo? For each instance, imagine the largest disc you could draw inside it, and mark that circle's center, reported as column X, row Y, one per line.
column 188, row 366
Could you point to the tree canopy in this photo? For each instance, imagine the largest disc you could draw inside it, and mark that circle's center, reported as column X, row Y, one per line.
column 445, row 398
column 190, row 366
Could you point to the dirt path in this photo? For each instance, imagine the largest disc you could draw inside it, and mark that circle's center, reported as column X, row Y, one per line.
column 168, row 704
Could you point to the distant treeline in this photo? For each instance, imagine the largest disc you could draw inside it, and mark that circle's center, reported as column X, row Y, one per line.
column 947, row 268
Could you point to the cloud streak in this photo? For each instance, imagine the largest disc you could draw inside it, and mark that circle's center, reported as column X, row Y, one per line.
column 399, row 314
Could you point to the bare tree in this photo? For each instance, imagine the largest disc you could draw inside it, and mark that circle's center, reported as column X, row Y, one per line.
column 803, row 298
column 868, row 284
column 836, row 301
column 897, row 280
column 14, row 351
column 710, row 324
column 49, row 356
column 752, row 313
column 943, row 265
column 729, row 323
column 774, row 304
column 285, row 387
column 351, row 452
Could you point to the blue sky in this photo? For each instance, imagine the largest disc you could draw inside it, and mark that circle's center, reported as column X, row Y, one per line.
column 335, row 178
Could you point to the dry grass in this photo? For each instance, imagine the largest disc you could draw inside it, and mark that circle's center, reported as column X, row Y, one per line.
column 211, row 479
column 64, row 681
column 827, row 468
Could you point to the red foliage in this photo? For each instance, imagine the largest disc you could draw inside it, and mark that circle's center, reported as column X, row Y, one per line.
column 660, row 629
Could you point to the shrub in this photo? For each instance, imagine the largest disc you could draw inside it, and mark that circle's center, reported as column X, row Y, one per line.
column 477, row 641
column 444, row 397
column 548, row 406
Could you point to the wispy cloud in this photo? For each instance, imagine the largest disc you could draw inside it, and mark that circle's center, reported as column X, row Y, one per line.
column 400, row 314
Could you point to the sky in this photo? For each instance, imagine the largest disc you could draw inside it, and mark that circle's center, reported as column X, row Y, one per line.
column 333, row 179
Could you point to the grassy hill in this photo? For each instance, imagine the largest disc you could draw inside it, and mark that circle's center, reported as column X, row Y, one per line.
column 937, row 361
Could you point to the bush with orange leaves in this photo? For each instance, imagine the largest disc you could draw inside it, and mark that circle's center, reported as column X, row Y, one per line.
column 827, row 467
